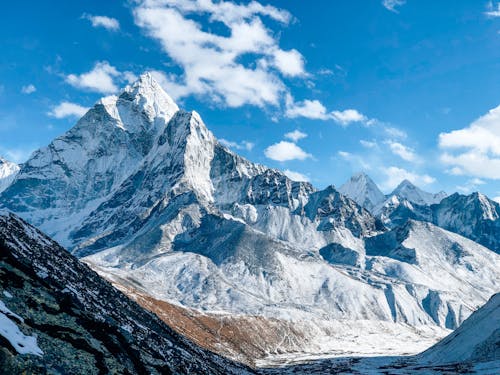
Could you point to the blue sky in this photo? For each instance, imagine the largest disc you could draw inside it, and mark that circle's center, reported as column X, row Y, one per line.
column 396, row 89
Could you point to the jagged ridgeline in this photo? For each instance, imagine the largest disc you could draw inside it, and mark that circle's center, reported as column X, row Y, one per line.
column 145, row 194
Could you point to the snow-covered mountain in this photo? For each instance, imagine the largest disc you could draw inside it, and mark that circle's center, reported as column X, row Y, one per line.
column 8, row 172
column 58, row 316
column 476, row 340
column 406, row 202
column 144, row 191
column 474, row 216
column 411, row 193
column 361, row 188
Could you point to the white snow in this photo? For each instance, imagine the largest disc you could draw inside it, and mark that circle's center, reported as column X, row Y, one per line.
column 361, row 188
column 8, row 172
column 8, row 329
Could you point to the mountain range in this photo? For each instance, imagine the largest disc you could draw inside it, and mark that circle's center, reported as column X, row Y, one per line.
column 144, row 193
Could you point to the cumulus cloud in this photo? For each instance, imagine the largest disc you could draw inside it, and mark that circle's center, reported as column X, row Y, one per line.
column 392, row 4
column 312, row 109
column 285, row 151
column 475, row 149
column 296, row 135
column 295, row 176
column 243, row 145
column 348, row 116
column 108, row 23
column 102, row 78
column 67, row 109
column 28, row 89
column 404, row 152
column 315, row 110
column 492, row 11
column 394, row 176
column 211, row 62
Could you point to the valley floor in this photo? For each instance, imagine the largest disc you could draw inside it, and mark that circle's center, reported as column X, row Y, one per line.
column 380, row 365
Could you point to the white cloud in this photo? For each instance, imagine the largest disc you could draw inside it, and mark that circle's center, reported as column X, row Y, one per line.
column 492, row 11
column 103, row 78
column 497, row 199
column 348, row 116
column 295, row 176
column 392, row 4
column 290, row 63
column 404, row 152
column 28, row 89
column 100, row 78
column 474, row 150
column 312, row 109
column 395, row 175
column 284, row 151
column 212, row 62
column 108, row 23
column 67, row 109
column 395, row 132
column 368, row 144
column 243, row 145
column 296, row 135
column 315, row 110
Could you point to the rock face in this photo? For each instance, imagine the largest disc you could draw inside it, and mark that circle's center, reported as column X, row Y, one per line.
column 151, row 200
column 8, row 172
column 474, row 216
column 77, row 322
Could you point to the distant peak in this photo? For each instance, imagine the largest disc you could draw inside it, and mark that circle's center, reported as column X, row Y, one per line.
column 405, row 183
column 360, row 176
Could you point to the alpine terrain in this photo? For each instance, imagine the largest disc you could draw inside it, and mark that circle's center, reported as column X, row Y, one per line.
column 145, row 194
column 58, row 316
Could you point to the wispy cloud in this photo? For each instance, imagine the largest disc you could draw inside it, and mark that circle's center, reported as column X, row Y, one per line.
column 102, row 78
column 243, row 145
column 315, row 110
column 296, row 135
column 67, row 109
column 28, row 89
column 211, row 61
column 295, row 176
column 492, row 11
column 404, row 152
column 17, row 154
column 393, row 4
column 394, row 176
column 108, row 23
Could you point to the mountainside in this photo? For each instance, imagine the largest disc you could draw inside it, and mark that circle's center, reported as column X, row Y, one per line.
column 58, row 316
column 150, row 199
column 476, row 340
column 406, row 202
column 361, row 188
column 474, row 216
column 8, row 172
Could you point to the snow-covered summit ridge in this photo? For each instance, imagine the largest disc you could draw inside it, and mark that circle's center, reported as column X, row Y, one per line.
column 361, row 188
column 409, row 191
column 8, row 172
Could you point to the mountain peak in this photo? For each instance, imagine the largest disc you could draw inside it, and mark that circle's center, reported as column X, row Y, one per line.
column 146, row 92
column 407, row 190
column 361, row 188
